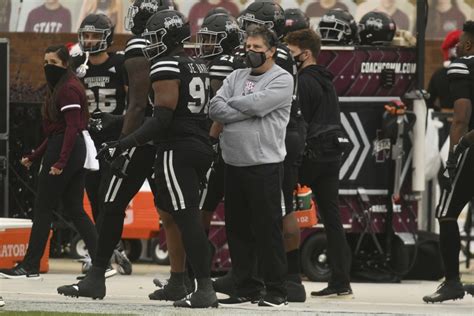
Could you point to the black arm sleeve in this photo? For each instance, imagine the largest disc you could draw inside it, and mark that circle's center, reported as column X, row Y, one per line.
column 309, row 96
column 152, row 127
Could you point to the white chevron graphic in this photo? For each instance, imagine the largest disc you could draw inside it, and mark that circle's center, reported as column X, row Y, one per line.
column 354, row 141
column 366, row 150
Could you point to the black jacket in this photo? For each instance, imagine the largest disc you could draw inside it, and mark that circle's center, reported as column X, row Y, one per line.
column 318, row 101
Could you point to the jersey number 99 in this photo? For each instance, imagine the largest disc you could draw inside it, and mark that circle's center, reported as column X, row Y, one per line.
column 199, row 91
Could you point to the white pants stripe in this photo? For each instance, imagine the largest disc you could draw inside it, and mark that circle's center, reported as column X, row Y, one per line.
column 114, row 185
column 204, row 191
column 283, row 205
column 175, row 181
column 168, row 182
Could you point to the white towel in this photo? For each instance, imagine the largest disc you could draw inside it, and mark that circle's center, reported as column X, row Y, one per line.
column 91, row 162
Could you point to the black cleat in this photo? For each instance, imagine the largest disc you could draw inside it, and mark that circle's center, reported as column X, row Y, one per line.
column 238, row 300
column 92, row 286
column 169, row 291
column 448, row 290
column 225, row 284
column 469, row 288
column 199, row 299
column 109, row 272
column 296, row 291
column 19, row 272
column 273, row 301
column 124, row 266
column 333, row 292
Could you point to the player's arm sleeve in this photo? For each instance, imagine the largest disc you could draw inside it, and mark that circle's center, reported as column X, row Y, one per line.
column 459, row 87
column 219, row 110
column 277, row 94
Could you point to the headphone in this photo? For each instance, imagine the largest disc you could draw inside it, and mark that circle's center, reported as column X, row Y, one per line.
column 82, row 69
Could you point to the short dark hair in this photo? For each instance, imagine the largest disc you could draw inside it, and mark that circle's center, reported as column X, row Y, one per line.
column 468, row 28
column 269, row 36
column 305, row 39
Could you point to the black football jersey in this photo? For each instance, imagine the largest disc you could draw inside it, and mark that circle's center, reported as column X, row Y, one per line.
column 104, row 84
column 461, row 81
column 190, row 115
column 223, row 65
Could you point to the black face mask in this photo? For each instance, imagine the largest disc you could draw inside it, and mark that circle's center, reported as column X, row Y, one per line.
column 255, row 59
column 298, row 62
column 53, row 74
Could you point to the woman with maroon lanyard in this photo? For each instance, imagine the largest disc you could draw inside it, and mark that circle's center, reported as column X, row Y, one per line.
column 63, row 153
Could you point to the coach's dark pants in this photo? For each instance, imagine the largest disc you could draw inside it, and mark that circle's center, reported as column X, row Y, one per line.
column 68, row 188
column 253, row 216
column 323, row 179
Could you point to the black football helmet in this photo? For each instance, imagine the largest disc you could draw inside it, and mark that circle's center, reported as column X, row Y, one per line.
column 376, row 28
column 267, row 13
column 338, row 27
column 217, row 10
column 100, row 24
column 219, row 33
column 164, row 31
column 141, row 10
column 295, row 19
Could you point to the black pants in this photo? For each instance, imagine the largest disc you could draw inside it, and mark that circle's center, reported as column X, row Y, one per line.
column 214, row 190
column 95, row 183
column 450, row 206
column 68, row 188
column 115, row 197
column 294, row 143
column 323, row 179
column 253, row 215
column 180, row 174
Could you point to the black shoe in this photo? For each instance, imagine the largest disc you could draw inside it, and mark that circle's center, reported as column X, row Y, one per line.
column 2, row 302
column 109, row 272
column 92, row 286
column 169, row 291
column 448, row 290
column 296, row 291
column 124, row 266
column 331, row 292
column 238, row 300
column 86, row 263
column 199, row 299
column 19, row 272
column 469, row 288
column 273, row 301
column 225, row 284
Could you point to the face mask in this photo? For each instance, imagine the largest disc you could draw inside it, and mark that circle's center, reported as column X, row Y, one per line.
column 255, row 59
column 53, row 74
column 298, row 62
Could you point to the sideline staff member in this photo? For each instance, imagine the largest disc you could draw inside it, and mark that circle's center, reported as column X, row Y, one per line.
column 63, row 152
column 254, row 107
column 321, row 163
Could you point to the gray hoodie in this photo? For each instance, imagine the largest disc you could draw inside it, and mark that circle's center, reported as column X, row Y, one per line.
column 255, row 111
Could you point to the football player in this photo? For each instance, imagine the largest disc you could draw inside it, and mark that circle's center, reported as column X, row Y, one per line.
column 179, row 128
column 459, row 167
column 102, row 74
column 128, row 168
